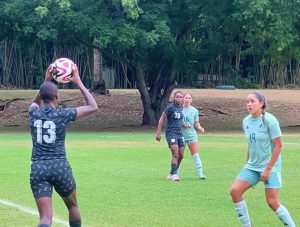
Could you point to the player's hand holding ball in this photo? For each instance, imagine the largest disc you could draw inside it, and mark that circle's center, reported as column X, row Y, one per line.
column 48, row 74
column 75, row 76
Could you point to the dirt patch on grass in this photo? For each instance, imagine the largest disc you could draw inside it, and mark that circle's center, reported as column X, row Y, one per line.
column 122, row 109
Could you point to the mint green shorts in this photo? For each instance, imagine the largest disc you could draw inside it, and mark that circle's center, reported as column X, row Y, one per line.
column 190, row 138
column 188, row 142
column 253, row 177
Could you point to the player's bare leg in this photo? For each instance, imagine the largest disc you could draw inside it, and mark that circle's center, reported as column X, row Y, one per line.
column 272, row 197
column 237, row 190
column 44, row 205
column 74, row 214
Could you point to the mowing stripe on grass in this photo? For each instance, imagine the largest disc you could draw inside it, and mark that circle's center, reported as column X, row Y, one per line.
column 30, row 211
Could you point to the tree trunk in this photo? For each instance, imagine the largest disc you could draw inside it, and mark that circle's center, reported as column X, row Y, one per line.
column 98, row 83
column 238, row 58
column 157, row 98
column 149, row 113
column 97, row 65
column 167, row 91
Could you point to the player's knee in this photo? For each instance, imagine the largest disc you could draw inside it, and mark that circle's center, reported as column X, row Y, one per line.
column 273, row 203
column 234, row 191
column 175, row 154
column 71, row 201
column 71, row 204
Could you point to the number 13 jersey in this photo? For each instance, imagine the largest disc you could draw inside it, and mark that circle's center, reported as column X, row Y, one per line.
column 48, row 131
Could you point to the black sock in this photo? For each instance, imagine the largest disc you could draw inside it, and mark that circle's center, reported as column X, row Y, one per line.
column 43, row 225
column 75, row 223
column 173, row 168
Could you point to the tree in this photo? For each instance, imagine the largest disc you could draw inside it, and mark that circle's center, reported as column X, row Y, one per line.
column 159, row 43
column 151, row 44
column 270, row 34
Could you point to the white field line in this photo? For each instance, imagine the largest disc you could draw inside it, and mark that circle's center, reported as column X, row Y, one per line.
column 30, row 211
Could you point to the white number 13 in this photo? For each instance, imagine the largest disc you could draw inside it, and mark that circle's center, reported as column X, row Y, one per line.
column 51, row 131
column 177, row 115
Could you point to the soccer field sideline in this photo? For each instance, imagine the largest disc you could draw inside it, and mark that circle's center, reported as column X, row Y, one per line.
column 30, row 211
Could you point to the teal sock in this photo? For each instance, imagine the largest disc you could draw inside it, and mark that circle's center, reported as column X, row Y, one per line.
column 242, row 212
column 284, row 216
column 198, row 164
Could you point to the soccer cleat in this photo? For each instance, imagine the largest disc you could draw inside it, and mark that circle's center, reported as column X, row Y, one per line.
column 202, row 177
column 175, row 177
column 169, row 177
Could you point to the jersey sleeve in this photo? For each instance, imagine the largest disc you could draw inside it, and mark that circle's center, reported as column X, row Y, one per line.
column 69, row 114
column 244, row 125
column 167, row 110
column 274, row 128
column 33, row 107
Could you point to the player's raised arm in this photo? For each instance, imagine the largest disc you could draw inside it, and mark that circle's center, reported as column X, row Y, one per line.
column 37, row 99
column 91, row 105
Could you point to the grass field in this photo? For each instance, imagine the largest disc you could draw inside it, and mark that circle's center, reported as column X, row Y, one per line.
column 121, row 180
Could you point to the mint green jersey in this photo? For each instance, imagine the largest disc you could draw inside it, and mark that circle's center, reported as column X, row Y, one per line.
column 259, row 135
column 190, row 116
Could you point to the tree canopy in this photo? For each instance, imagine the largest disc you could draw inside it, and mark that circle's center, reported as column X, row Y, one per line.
column 156, row 44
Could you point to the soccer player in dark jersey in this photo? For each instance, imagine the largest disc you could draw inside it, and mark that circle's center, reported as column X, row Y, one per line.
column 49, row 167
column 174, row 116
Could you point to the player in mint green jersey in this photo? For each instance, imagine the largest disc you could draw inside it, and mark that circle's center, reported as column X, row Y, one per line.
column 189, row 130
column 263, row 134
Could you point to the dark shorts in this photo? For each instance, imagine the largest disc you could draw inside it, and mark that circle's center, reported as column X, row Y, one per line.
column 175, row 139
column 47, row 174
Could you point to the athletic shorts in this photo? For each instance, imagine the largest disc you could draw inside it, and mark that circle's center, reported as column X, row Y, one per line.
column 175, row 139
column 190, row 141
column 47, row 174
column 253, row 177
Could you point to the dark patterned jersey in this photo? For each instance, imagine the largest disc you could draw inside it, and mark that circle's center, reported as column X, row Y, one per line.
column 48, row 131
column 175, row 117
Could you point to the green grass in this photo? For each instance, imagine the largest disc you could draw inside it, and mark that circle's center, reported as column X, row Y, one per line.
column 65, row 93
column 121, row 179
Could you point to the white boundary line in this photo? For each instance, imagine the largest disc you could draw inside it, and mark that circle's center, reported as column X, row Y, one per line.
column 30, row 211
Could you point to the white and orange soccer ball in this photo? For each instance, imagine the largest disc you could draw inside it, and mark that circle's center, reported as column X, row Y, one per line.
column 62, row 70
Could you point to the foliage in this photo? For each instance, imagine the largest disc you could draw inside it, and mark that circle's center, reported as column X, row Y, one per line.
column 157, row 44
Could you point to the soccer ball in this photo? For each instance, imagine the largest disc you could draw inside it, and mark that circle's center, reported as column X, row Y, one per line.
column 62, row 70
